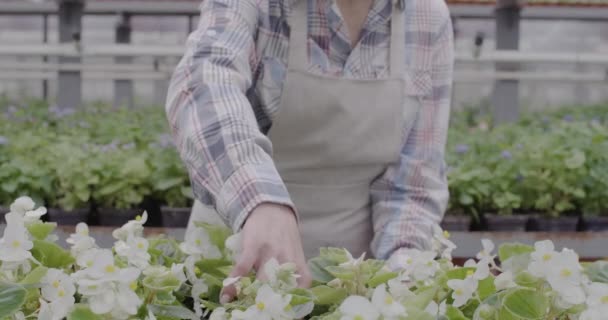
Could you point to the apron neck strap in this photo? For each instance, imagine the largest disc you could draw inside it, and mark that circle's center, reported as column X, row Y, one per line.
column 298, row 38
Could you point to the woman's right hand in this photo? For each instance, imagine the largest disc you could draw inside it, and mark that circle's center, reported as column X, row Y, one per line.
column 270, row 231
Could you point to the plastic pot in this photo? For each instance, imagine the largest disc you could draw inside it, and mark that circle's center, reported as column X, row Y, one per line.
column 456, row 223
column 595, row 224
column 175, row 217
column 116, row 217
column 553, row 224
column 68, row 217
column 494, row 222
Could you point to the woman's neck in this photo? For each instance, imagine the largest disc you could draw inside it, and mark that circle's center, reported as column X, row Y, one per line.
column 355, row 14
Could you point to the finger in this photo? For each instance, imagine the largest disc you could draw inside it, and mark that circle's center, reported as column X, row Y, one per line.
column 305, row 279
column 241, row 269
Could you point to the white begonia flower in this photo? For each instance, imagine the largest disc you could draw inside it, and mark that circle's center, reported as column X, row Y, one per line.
column 441, row 243
column 57, row 285
column 135, row 250
column 565, row 277
column 219, row 314
column 358, row 308
column 463, row 290
column 81, row 241
column 592, row 314
column 420, row 265
column 281, row 276
column 24, row 206
column 471, row 263
column 482, row 270
column 597, row 296
column 150, row 316
column 178, row 272
column 133, row 227
column 504, row 281
column 19, row 316
column 436, row 310
column 390, row 308
column 15, row 245
column 108, row 288
column 486, row 252
column 269, row 305
column 352, row 263
column 542, row 258
column 56, row 310
column 398, row 287
column 197, row 243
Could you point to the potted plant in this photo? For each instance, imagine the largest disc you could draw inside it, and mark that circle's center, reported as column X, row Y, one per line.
column 123, row 185
column 76, row 177
column 171, row 186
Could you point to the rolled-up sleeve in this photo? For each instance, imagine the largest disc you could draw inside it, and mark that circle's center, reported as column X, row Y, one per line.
column 411, row 196
column 227, row 156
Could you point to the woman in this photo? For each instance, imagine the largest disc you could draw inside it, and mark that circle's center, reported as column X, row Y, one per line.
column 313, row 123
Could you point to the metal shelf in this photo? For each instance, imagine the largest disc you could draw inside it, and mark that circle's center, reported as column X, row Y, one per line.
column 588, row 245
column 181, row 7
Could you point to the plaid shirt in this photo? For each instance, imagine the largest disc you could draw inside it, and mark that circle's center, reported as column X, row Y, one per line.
column 227, row 88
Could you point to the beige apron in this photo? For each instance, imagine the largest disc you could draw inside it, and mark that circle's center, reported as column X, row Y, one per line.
column 332, row 138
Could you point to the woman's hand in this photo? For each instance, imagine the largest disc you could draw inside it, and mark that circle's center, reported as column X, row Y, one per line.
column 271, row 231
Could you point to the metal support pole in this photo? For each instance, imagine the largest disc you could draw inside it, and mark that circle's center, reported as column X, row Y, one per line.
column 190, row 24
column 69, row 94
column 160, row 86
column 45, row 59
column 123, row 88
column 505, row 98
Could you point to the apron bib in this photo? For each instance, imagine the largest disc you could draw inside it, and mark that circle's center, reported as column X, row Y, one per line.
column 332, row 137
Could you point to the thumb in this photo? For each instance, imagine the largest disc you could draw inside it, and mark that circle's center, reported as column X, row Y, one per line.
column 241, row 269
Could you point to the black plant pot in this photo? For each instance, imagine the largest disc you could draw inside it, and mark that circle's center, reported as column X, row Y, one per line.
column 3, row 211
column 499, row 223
column 175, row 217
column 594, row 224
column 557, row 224
column 68, row 218
column 116, row 217
column 456, row 223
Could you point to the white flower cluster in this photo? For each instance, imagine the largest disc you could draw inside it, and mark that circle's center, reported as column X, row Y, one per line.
column 146, row 278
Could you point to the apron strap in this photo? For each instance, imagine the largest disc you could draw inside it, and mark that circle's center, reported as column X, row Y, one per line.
column 397, row 45
column 298, row 37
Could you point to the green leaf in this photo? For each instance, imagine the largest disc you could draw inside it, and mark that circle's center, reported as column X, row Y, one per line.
column 317, row 267
column 526, row 303
column 576, row 160
column 381, row 278
column 508, row 250
column 164, row 283
column 486, row 288
column 453, row 313
column 325, row 295
column 597, row 271
column 340, row 272
column 525, row 279
column 82, row 312
column 178, row 312
column 423, row 297
column 12, row 297
column 168, row 183
column 217, row 234
column 35, row 275
column 418, row 314
column 51, row 255
column 459, row 273
column 40, row 230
